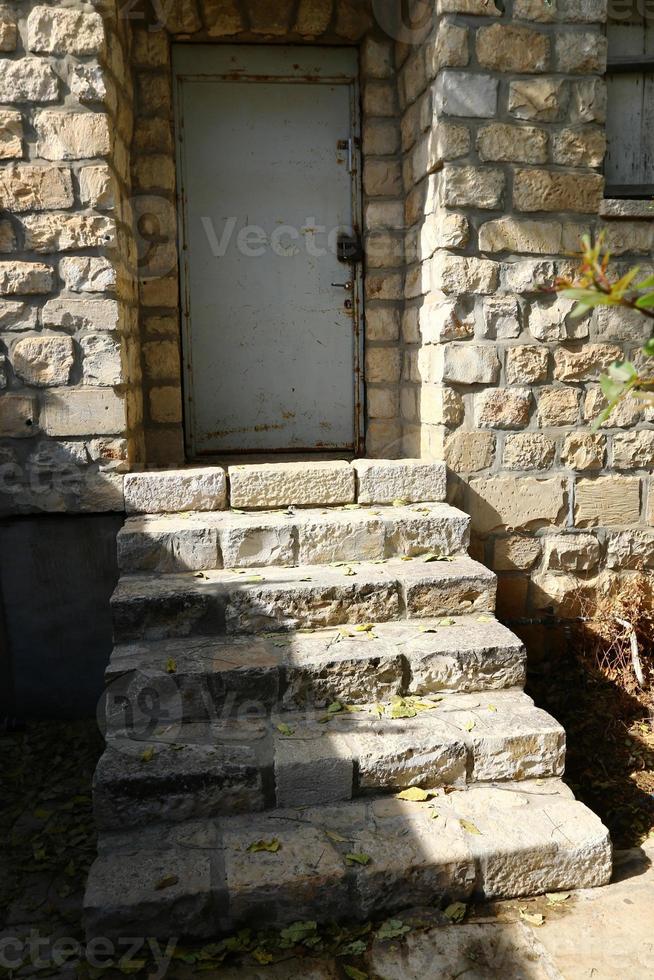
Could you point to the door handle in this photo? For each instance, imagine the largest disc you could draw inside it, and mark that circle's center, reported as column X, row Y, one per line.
column 343, row 285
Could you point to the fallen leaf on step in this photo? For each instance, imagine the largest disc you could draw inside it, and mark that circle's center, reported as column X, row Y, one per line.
column 414, row 795
column 533, row 918
column 285, row 729
column 470, row 827
column 406, row 558
column 171, row 666
column 262, row 956
column 491, row 707
column 272, row 846
column 433, row 557
column 555, row 898
column 400, row 503
column 485, row 619
column 335, row 837
column 166, row 882
column 392, row 929
column 148, row 755
column 448, row 621
column 456, row 912
column 354, row 974
column 364, row 628
column 354, row 858
column 469, row 725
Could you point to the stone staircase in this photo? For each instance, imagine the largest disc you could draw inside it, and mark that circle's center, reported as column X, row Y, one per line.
column 284, row 672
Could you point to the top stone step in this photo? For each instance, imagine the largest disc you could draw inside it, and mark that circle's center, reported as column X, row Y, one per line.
column 261, row 486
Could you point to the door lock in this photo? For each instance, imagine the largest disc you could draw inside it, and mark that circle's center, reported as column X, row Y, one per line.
column 349, row 248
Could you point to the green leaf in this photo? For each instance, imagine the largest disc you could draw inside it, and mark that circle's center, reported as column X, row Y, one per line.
column 355, row 948
column 646, row 283
column 354, row 974
column 645, row 302
column 622, row 371
column 401, row 709
column 167, row 882
column 470, row 827
column 297, row 932
column 148, row 755
column 556, row 898
column 337, row 838
column 648, row 349
column 364, row 628
column 392, row 929
column 456, row 912
column 272, row 846
column 356, row 858
column 262, row 956
column 171, row 666
column 285, row 729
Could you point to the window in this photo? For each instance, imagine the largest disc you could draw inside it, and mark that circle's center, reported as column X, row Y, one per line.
column 629, row 166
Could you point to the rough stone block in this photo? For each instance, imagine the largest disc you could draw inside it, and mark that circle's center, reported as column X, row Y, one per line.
column 588, row 101
column 83, row 411
column 571, row 553
column 25, row 278
column 515, row 235
column 509, row 48
column 461, row 274
column 458, row 93
column 28, row 187
column 606, row 501
column 469, row 364
column 513, row 144
column 634, row 450
column 471, row 187
column 469, row 452
column 580, row 146
column 526, row 364
column 44, row 361
column 411, row 480
column 63, row 232
column 497, row 502
column 584, row 364
column 87, row 274
column 558, row 406
column 449, row 48
column 18, row 415
column 81, row 314
column 502, row 408
column 632, row 550
column 11, row 134
column 528, row 451
column 64, row 31
column 28, row 80
column 171, row 491
column 552, row 322
column 583, row 52
column 516, row 553
column 102, row 363
column 72, row 135
column 284, row 484
column 545, row 190
column 583, row 451
column 502, row 318
column 537, row 99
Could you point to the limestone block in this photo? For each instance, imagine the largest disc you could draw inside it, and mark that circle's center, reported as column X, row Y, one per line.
column 630, row 550
column 172, row 491
column 517, row 235
column 516, row 553
column 545, row 190
column 618, row 324
column 502, row 408
column 571, row 553
column 558, row 406
column 283, row 484
column 478, row 8
column 530, row 275
column 606, row 501
column 497, row 502
column 11, row 134
column 89, row 85
column 96, row 187
column 443, row 321
column 583, row 451
column 382, row 323
column 382, row 178
column 502, row 318
column 552, row 321
column 383, row 403
column 588, row 101
column 448, row 49
column 7, row 238
column 81, row 314
column 514, row 144
column 182, row 17
column 52, row 30
column 43, row 361
column 102, row 363
column 18, row 415
column 352, row 20
column 72, row 135
column 376, row 54
column 506, row 47
column 461, row 274
column 312, row 770
column 626, row 414
column 459, row 93
column 579, row 146
column 528, row 451
column 379, row 99
column 440, row 405
column 537, row 99
column 17, row 316
column 25, row 278
column 634, row 450
column 150, row 48
column 448, row 141
column 584, row 364
column 165, row 404
column 410, row 480
column 469, row 363
column 471, row 187
column 469, row 452
column 8, row 30
column 383, row 364
column 29, row 187
column 61, row 232
column 526, row 364
column 380, row 137
column 568, row 11
column 28, row 80
column 583, row 52
column 82, row 411
column 87, row 274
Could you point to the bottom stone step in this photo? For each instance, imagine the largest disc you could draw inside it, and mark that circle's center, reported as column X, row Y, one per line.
column 349, row 861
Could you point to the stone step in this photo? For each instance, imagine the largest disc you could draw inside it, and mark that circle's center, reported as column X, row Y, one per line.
column 311, row 596
column 201, row 541
column 306, row 483
column 198, row 678
column 183, row 770
column 200, row 879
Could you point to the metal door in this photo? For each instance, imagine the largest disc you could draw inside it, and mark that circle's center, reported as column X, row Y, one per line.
column 268, row 167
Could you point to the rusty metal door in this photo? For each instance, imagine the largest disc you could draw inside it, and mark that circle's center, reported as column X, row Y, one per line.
column 268, row 166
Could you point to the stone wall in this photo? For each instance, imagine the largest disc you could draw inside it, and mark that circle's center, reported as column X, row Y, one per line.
column 70, row 412
column 154, row 180
column 503, row 142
